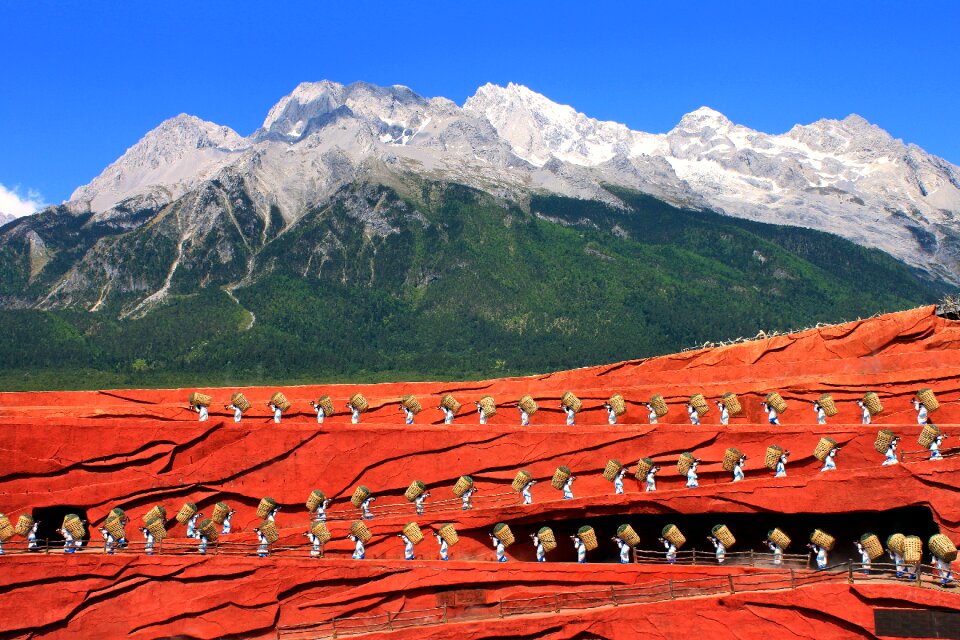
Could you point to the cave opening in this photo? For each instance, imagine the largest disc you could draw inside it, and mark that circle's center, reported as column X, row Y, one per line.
column 51, row 518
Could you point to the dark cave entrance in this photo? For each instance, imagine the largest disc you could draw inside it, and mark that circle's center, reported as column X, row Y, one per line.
column 50, row 519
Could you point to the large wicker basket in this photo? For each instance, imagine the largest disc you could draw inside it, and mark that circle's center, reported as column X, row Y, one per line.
column 415, row 490
column 114, row 527
column 618, row 404
column 157, row 511
column 240, row 401
column 411, row 403
column 501, row 532
column 360, row 530
column 449, row 402
column 823, row 448
column 895, row 543
column 156, row 528
column 612, row 469
column 698, row 402
column 723, row 534
column 449, row 533
column 823, row 539
column 643, row 468
column 327, row 405
column 872, row 402
column 912, row 550
column 198, row 399
column 928, row 399
column 266, row 505
column 528, row 404
column 413, row 532
column 360, row 495
column 269, row 530
column 672, row 533
column 626, row 533
column 186, row 512
column 732, row 402
column 730, row 458
column 462, row 485
column 560, row 477
column 547, row 539
column 928, row 435
column 829, row 406
column 6, row 529
column 208, row 530
column 776, row 401
column 871, row 544
column 588, row 536
column 120, row 513
column 659, row 405
column 884, row 438
column 942, row 547
column 24, row 525
column 279, row 400
column 320, row 530
column 779, row 538
column 521, row 479
column 772, row 456
column 220, row 512
column 685, row 462
column 358, row 402
column 489, row 406
column 315, row 499
column 571, row 401
column 74, row 526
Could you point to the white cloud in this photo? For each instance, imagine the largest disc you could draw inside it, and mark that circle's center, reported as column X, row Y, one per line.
column 16, row 205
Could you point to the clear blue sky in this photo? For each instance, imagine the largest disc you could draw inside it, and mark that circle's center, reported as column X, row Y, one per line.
column 82, row 81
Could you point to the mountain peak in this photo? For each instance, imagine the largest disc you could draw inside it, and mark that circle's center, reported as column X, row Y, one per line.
column 704, row 117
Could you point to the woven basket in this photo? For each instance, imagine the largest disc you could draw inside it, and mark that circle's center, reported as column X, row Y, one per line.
column 823, row 539
column 871, row 544
column 626, row 533
column 884, row 438
column 528, row 404
column 360, row 494
column 74, row 525
column 732, row 403
column 220, row 512
column 360, row 530
column 779, row 538
column 659, row 405
column 560, row 477
column 209, row 530
column 547, row 539
column 730, row 458
column 449, row 533
column 588, row 536
column 120, row 513
column 829, row 406
column 942, row 547
column 6, row 530
column 618, row 404
column 501, row 532
column 269, row 529
column 156, row 529
column 186, row 512
column 359, row 402
column 240, row 401
column 411, row 403
column 320, row 530
column 327, row 405
column 449, row 402
column 772, row 456
column 24, row 524
column 612, row 469
column 872, row 402
column 895, row 543
column 198, row 399
column 928, row 435
column 489, row 406
column 927, row 399
column 823, row 448
column 698, row 402
column 315, row 499
column 157, row 511
column 685, row 462
column 571, row 401
column 266, row 505
column 722, row 533
column 643, row 468
column 672, row 533
column 412, row 531
column 414, row 491
column 912, row 550
column 279, row 400
column 114, row 527
column 521, row 479
column 463, row 484
column 776, row 401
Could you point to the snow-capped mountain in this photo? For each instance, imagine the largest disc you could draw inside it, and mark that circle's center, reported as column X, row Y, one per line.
column 846, row 177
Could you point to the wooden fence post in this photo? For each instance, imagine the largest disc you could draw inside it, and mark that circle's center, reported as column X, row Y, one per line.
column 730, row 581
column 613, row 596
column 670, row 585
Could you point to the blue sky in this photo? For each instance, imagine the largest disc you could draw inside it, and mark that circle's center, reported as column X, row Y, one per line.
column 82, row 81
